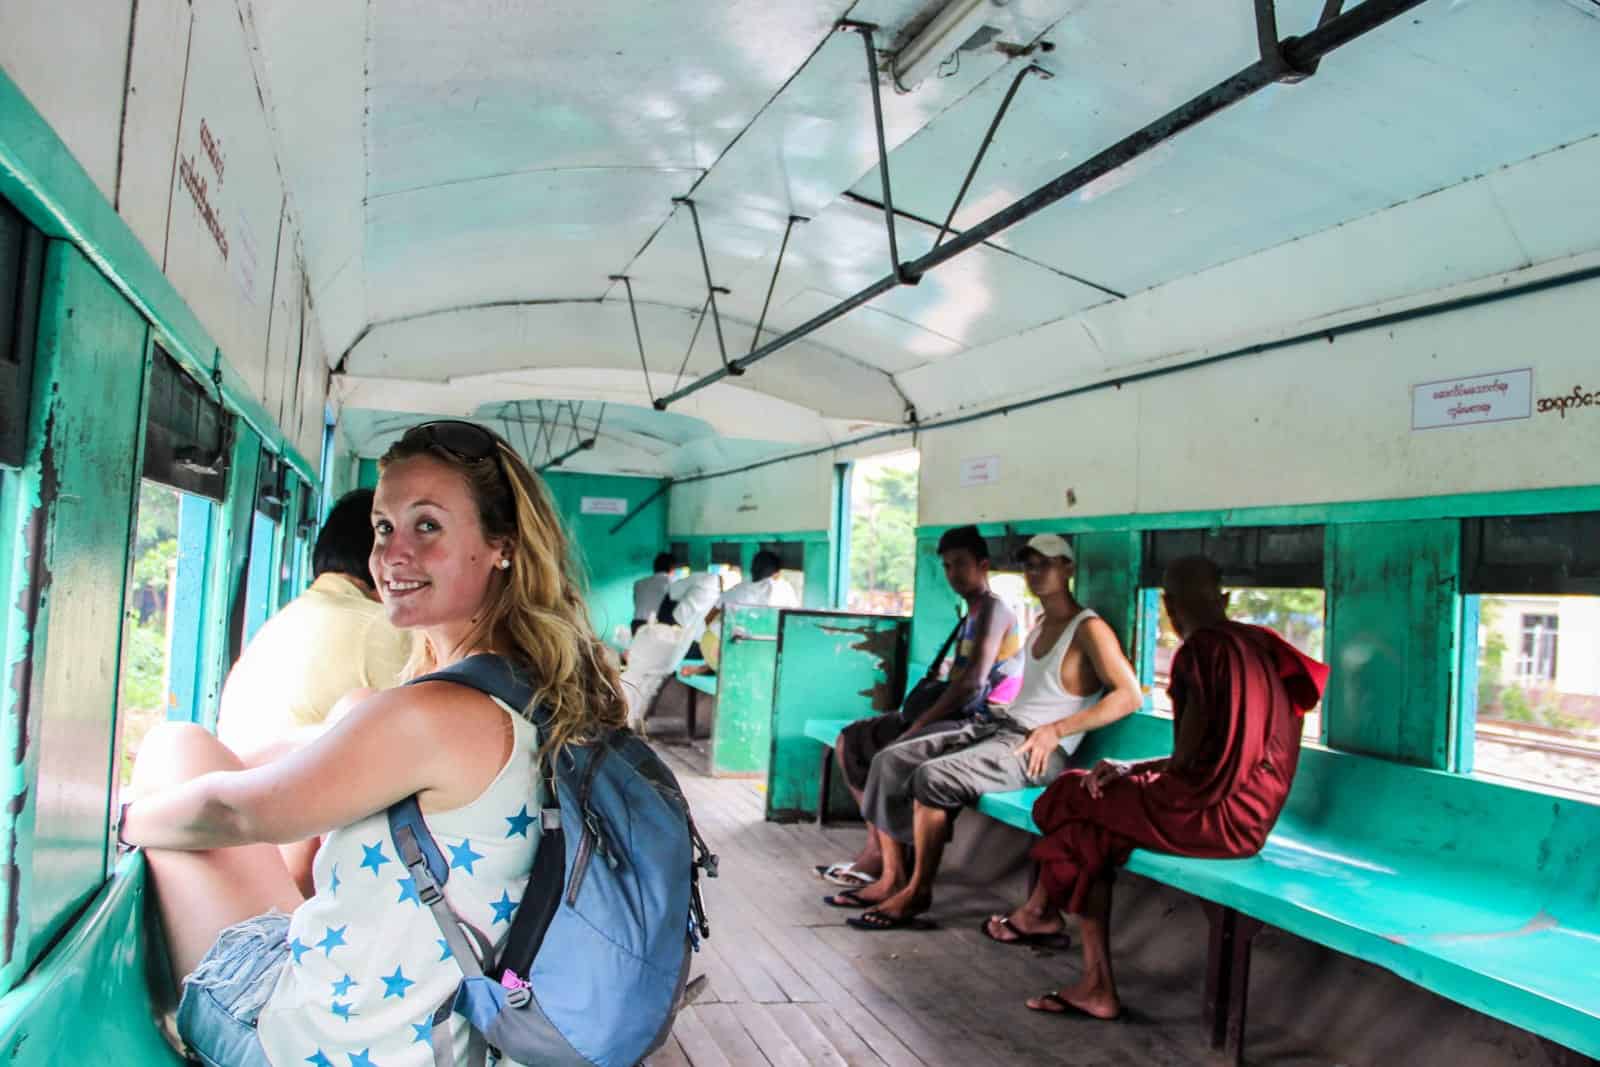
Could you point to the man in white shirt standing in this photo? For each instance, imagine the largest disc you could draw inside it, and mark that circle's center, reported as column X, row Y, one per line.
column 649, row 592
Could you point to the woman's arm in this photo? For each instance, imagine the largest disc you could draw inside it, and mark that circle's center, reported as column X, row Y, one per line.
column 435, row 738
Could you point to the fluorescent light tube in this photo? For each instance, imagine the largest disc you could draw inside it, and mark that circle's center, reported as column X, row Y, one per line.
column 956, row 22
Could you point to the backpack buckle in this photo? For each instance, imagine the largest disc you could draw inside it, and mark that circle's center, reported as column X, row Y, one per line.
column 430, row 894
column 518, row 998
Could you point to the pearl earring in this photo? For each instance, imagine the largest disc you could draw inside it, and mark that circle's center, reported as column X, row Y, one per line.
column 504, row 564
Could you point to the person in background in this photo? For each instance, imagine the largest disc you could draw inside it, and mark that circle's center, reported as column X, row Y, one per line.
column 326, row 648
column 1239, row 693
column 648, row 593
column 985, row 669
column 659, row 648
column 1074, row 679
column 766, row 587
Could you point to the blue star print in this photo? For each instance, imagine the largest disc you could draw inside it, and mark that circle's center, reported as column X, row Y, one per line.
column 317, row 1059
column 423, row 1030
column 463, row 857
column 333, row 886
column 299, row 948
column 408, row 891
column 342, row 1010
column 396, row 984
column 342, row 986
column 503, row 908
column 372, row 856
column 333, row 939
column 444, row 950
column 520, row 823
column 360, row 1059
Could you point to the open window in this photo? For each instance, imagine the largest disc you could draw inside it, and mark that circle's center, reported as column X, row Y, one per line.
column 21, row 268
column 185, row 476
column 1531, row 589
column 262, row 571
column 1273, row 577
column 880, row 558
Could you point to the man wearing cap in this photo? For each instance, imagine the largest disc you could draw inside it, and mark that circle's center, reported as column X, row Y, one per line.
column 1074, row 679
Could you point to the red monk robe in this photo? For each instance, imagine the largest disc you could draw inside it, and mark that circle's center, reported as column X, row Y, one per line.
column 1239, row 693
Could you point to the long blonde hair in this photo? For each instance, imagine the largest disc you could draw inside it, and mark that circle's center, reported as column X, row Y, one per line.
column 534, row 614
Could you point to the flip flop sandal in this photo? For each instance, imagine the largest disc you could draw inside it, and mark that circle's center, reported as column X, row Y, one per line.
column 1059, row 940
column 1065, row 1007
column 843, row 874
column 874, row 921
column 846, row 899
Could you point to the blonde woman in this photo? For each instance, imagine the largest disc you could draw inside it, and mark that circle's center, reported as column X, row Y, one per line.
column 468, row 554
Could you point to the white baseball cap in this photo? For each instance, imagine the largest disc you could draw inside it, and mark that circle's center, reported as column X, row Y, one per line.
column 1049, row 544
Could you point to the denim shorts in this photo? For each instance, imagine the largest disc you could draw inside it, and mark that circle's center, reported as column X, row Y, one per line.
column 223, row 997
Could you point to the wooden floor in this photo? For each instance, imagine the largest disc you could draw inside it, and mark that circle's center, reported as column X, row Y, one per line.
column 788, row 983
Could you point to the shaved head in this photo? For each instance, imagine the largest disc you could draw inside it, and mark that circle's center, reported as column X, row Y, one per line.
column 1192, row 589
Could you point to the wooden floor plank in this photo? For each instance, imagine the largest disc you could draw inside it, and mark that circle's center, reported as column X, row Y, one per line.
column 815, row 1046
column 696, row 1041
column 775, row 1043
column 722, row 1022
column 847, row 1041
column 670, row 1054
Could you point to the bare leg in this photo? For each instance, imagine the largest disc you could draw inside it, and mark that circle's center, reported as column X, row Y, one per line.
column 868, row 861
column 931, row 827
column 1096, row 993
column 1035, row 916
column 893, row 876
column 200, row 894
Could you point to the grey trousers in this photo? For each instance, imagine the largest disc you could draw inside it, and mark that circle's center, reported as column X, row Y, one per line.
column 948, row 770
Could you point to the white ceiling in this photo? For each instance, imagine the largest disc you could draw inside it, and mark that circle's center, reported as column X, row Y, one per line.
column 469, row 175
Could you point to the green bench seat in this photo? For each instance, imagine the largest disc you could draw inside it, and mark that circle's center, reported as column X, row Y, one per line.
column 92, row 993
column 1483, row 893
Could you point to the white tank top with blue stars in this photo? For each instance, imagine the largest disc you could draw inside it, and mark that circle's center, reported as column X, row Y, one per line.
column 367, row 964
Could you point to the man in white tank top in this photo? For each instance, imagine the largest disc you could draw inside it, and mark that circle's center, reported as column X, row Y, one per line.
column 1075, row 678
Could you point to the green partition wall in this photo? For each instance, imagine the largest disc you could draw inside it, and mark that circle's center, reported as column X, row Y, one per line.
column 612, row 559
column 741, row 738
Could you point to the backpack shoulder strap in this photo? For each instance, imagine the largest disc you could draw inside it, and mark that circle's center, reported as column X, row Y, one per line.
column 487, row 673
column 938, row 657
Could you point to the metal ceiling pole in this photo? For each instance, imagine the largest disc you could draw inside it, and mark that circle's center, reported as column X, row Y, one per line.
column 865, row 30
column 637, row 336
column 755, row 338
column 988, row 139
column 1299, row 54
column 556, row 461
column 711, row 289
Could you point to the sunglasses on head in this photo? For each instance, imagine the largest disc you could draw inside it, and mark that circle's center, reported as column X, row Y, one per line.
column 465, row 441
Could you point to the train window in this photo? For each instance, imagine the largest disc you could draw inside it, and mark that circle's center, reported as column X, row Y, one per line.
column 1533, row 586
column 725, row 559
column 162, row 621
column 21, row 266
column 271, row 496
column 882, row 546
column 1273, row 577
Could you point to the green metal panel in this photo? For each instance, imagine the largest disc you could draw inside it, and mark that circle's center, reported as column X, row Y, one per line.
column 830, row 665
column 612, row 562
column 935, row 608
column 78, row 493
column 1391, row 638
column 90, row 1000
column 186, row 663
column 1108, row 579
column 40, row 176
column 232, row 524
column 367, row 474
column 741, row 739
column 819, row 590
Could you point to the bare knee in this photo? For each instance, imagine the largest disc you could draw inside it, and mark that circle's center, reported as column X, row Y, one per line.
column 174, row 752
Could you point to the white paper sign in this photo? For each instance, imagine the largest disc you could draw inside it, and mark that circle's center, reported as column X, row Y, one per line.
column 604, row 505
column 1497, row 397
column 984, row 470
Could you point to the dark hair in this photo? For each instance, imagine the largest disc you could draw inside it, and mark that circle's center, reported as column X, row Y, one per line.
column 965, row 537
column 345, row 542
column 663, row 562
column 765, row 565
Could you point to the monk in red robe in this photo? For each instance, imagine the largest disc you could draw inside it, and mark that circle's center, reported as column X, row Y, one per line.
column 1238, row 695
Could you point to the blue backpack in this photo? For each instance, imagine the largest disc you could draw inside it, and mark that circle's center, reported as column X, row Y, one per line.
column 593, row 967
